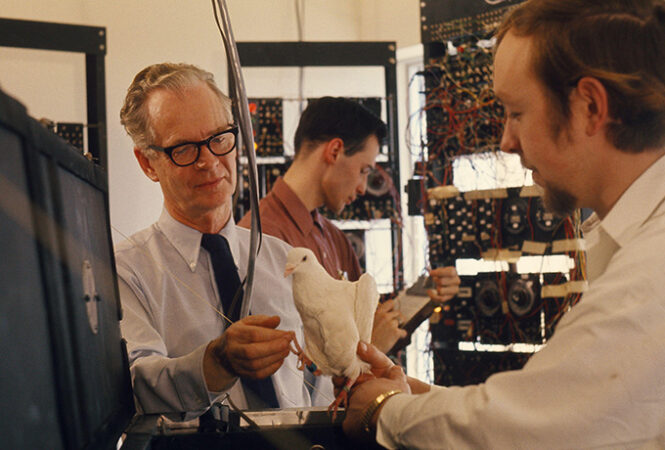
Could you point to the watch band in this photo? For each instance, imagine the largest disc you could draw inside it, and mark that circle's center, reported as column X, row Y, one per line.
column 366, row 419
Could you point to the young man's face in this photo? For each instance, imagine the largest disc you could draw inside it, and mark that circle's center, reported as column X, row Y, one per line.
column 530, row 126
column 206, row 186
column 347, row 177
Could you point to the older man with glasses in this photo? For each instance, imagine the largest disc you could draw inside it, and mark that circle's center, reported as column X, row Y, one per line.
column 179, row 279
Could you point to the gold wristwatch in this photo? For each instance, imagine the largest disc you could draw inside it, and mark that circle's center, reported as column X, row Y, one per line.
column 366, row 419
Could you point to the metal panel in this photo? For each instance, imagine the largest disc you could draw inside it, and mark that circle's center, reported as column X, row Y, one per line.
column 288, row 54
column 436, row 12
column 70, row 38
column 96, row 93
column 52, row 36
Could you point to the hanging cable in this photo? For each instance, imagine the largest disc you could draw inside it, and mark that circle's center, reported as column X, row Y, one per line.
column 245, row 124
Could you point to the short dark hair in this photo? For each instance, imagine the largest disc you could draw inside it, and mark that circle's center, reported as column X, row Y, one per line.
column 621, row 43
column 327, row 118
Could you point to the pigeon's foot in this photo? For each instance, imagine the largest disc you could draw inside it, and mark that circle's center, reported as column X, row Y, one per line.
column 303, row 360
column 294, row 346
column 342, row 398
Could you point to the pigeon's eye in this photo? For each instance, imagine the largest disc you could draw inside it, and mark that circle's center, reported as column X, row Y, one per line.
column 304, row 258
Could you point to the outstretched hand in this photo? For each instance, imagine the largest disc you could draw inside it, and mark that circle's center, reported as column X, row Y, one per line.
column 252, row 347
column 385, row 376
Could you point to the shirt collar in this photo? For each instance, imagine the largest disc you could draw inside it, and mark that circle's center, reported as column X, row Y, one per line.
column 294, row 206
column 317, row 218
column 634, row 206
column 187, row 241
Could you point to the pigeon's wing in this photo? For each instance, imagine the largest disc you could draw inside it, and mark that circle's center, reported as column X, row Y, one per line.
column 338, row 340
column 313, row 295
column 314, row 341
column 366, row 301
column 326, row 307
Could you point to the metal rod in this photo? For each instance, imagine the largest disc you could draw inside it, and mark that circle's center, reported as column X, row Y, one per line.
column 246, row 133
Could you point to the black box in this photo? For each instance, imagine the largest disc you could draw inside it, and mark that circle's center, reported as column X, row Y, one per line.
column 65, row 381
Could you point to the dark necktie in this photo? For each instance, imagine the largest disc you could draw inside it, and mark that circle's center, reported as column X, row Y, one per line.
column 260, row 394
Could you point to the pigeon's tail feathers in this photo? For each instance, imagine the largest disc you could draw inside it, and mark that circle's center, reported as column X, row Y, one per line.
column 366, row 301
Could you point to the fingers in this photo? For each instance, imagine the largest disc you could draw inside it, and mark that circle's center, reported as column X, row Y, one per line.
column 447, row 284
column 386, row 333
column 255, row 351
column 378, row 360
column 442, row 295
column 445, row 277
column 386, row 330
column 390, row 316
column 340, row 382
column 261, row 321
column 393, row 315
column 252, row 347
column 396, row 373
column 372, row 356
column 385, row 312
column 386, row 306
column 364, row 377
column 257, row 329
column 261, row 367
column 443, row 272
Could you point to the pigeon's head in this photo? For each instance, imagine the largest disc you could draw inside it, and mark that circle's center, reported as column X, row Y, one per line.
column 297, row 258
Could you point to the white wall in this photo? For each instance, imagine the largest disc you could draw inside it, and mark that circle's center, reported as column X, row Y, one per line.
column 143, row 32
column 390, row 20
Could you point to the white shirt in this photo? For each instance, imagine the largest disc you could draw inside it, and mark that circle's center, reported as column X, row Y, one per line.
column 169, row 299
column 599, row 382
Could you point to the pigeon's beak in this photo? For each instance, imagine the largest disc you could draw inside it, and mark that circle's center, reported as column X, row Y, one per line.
column 289, row 269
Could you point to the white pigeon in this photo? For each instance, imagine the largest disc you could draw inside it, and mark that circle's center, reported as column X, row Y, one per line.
column 336, row 314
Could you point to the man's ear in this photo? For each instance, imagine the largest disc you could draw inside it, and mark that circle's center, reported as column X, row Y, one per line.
column 146, row 164
column 333, row 149
column 595, row 103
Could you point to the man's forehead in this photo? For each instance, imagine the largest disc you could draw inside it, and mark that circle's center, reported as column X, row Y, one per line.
column 512, row 62
column 164, row 112
column 164, row 97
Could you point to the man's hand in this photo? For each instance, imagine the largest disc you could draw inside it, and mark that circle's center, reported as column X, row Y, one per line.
column 447, row 284
column 251, row 347
column 379, row 362
column 386, row 330
column 381, row 367
column 385, row 377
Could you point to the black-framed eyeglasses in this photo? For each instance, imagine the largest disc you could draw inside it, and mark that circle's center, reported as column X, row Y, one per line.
column 188, row 153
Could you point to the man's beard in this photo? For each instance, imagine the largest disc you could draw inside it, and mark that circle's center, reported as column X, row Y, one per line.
column 559, row 201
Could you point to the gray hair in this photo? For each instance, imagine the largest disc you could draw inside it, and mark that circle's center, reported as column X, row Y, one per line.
column 173, row 77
